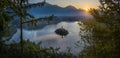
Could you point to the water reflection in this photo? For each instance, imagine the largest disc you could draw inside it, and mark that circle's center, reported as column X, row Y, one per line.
column 49, row 39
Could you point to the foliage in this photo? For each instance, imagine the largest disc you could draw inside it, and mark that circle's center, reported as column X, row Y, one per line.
column 31, row 50
column 8, row 10
column 105, row 31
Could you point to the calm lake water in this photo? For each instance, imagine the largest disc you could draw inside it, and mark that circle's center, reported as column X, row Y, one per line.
column 49, row 38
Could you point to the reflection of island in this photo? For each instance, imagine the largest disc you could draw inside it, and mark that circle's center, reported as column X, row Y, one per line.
column 62, row 32
column 49, row 38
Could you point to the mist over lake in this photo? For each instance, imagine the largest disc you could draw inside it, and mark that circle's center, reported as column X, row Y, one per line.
column 59, row 28
column 45, row 33
column 49, row 38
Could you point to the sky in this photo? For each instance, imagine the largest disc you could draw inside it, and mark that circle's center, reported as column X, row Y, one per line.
column 83, row 4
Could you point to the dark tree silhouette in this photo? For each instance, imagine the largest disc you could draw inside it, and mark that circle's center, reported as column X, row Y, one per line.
column 19, row 9
column 105, row 28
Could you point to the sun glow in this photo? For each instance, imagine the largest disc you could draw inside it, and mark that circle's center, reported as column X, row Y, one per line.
column 87, row 10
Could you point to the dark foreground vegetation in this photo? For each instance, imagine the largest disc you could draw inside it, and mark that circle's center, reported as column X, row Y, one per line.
column 104, row 40
column 105, row 28
column 31, row 50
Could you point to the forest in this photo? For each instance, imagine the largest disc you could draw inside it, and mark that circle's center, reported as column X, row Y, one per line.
column 103, row 39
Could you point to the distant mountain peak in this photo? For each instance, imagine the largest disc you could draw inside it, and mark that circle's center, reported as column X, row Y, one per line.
column 49, row 9
column 48, row 4
column 70, row 7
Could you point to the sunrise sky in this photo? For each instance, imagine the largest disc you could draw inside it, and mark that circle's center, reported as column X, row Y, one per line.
column 83, row 4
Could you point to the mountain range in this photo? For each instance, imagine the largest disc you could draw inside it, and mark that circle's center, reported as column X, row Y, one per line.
column 69, row 13
column 49, row 9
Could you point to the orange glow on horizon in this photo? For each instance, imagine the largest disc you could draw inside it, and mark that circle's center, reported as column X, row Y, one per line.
column 87, row 10
column 86, row 7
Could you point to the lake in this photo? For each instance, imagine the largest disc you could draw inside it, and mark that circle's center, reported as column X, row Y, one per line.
column 49, row 38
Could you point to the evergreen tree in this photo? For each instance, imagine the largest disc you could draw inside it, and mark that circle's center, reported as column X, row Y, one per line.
column 16, row 8
column 105, row 30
